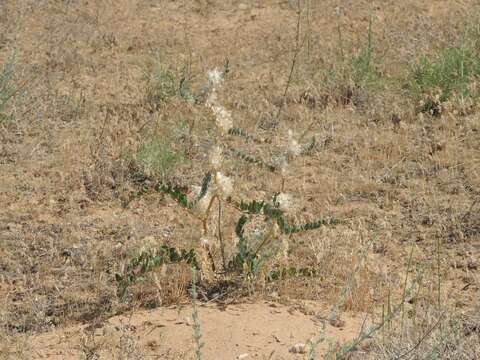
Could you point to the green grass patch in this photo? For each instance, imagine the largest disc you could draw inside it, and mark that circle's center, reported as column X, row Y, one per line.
column 361, row 68
column 451, row 71
column 353, row 74
column 163, row 83
column 158, row 156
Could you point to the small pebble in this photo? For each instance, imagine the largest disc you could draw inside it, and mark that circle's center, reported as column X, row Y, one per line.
column 242, row 356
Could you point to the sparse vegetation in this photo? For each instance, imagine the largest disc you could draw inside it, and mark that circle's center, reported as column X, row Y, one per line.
column 158, row 156
column 275, row 161
column 353, row 75
column 7, row 87
column 214, row 195
column 197, row 335
column 361, row 65
column 454, row 71
column 161, row 83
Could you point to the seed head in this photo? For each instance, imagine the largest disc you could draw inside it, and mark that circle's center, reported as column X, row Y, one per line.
column 285, row 201
column 212, row 99
column 293, row 147
column 283, row 162
column 216, row 157
column 223, row 117
column 215, row 78
column 224, row 184
column 202, row 204
column 205, row 241
column 195, row 191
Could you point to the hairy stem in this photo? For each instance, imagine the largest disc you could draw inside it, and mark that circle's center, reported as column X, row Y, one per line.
column 267, row 237
column 220, row 237
column 207, row 215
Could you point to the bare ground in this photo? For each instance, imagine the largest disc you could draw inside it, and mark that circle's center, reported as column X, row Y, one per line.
column 68, row 221
column 262, row 330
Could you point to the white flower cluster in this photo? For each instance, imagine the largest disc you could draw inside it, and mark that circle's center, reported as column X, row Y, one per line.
column 285, row 201
column 205, row 241
column 293, row 147
column 212, row 99
column 215, row 78
column 202, row 204
column 223, row 116
column 216, row 158
column 224, row 184
column 222, row 187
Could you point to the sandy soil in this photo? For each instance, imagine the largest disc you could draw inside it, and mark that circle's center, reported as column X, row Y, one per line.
column 68, row 221
column 262, row 330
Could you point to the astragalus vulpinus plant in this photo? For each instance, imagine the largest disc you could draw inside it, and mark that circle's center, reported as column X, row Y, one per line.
column 271, row 226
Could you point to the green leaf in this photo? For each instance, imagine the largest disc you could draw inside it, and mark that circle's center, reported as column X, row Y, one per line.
column 175, row 192
column 307, row 148
column 282, row 273
column 287, row 228
column 251, row 159
column 205, row 183
column 239, row 227
column 240, row 133
column 148, row 260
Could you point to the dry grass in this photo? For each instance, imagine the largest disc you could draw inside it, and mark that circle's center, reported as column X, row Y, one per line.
column 74, row 142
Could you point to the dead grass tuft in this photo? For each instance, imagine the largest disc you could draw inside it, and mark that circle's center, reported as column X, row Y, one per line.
column 91, row 121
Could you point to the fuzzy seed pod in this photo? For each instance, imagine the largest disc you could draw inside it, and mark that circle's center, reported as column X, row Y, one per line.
column 216, row 157
column 215, row 78
column 293, row 148
column 285, row 201
column 224, row 184
column 223, row 118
